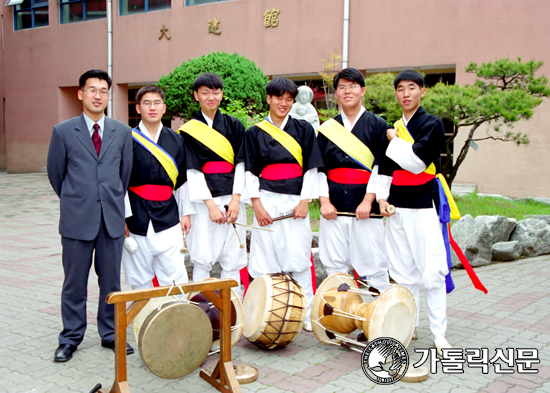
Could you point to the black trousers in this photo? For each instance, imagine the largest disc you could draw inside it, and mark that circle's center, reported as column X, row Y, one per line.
column 77, row 261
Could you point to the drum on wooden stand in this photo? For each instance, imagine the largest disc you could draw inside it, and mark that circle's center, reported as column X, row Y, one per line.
column 275, row 310
column 237, row 316
column 174, row 339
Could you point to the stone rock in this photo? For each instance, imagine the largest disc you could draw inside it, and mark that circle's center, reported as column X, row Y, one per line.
column 506, row 251
column 475, row 240
column 545, row 200
column 539, row 217
column 315, row 241
column 498, row 196
column 501, row 227
column 533, row 234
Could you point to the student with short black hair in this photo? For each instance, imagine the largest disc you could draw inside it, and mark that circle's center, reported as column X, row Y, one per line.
column 407, row 180
column 158, row 178
column 282, row 158
column 349, row 144
column 215, row 168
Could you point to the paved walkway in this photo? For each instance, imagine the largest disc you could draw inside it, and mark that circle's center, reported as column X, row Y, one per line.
column 515, row 314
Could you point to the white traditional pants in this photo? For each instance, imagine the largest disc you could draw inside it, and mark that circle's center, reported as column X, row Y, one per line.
column 287, row 248
column 417, row 258
column 158, row 254
column 209, row 242
column 360, row 243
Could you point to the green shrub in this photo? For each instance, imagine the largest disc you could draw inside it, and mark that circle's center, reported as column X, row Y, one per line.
column 242, row 80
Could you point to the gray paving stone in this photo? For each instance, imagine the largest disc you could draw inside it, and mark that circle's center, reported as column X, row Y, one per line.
column 30, row 285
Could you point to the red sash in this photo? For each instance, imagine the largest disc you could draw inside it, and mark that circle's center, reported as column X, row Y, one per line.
column 406, row 178
column 349, row 176
column 217, row 167
column 281, row 171
column 153, row 192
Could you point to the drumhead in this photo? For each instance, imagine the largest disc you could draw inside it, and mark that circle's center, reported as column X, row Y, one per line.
column 151, row 305
column 332, row 281
column 416, row 374
column 394, row 315
column 175, row 340
column 256, row 305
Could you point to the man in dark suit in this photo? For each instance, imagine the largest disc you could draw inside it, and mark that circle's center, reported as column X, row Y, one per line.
column 89, row 166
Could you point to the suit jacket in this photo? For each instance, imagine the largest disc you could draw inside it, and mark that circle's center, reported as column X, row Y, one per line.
column 90, row 188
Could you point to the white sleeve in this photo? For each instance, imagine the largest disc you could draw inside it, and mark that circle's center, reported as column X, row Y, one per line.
column 402, row 153
column 238, row 181
column 185, row 207
column 252, row 185
column 371, row 186
column 127, row 206
column 322, row 184
column 198, row 189
column 310, row 189
column 383, row 184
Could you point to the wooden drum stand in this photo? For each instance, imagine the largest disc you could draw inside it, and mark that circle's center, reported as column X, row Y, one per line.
column 223, row 377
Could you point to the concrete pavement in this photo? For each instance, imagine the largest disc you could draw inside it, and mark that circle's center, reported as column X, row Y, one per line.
column 514, row 314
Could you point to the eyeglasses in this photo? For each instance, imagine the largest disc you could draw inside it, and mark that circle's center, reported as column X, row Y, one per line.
column 350, row 87
column 93, row 92
column 151, row 103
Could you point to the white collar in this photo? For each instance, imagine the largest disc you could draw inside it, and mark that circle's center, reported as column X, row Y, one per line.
column 406, row 121
column 283, row 125
column 209, row 121
column 144, row 130
column 347, row 125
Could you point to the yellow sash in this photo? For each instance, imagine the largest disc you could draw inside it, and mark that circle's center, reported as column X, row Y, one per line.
column 284, row 139
column 165, row 159
column 404, row 134
column 348, row 142
column 211, row 138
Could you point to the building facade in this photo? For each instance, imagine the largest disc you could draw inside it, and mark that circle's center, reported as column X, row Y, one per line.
column 48, row 44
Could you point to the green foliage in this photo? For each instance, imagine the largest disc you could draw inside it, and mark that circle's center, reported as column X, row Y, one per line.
column 325, row 114
column 379, row 96
column 237, row 109
column 243, row 81
column 330, row 68
column 504, row 92
column 482, row 206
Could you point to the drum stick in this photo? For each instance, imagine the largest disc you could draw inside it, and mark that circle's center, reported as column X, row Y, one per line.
column 390, row 209
column 354, row 215
column 251, row 227
column 184, row 249
column 283, row 217
column 241, row 245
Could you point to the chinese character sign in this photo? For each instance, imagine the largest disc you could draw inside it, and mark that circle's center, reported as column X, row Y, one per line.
column 271, row 18
column 213, row 26
column 164, row 33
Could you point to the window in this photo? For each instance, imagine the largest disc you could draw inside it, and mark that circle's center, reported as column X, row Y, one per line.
column 199, row 2
column 81, row 10
column 31, row 13
column 128, row 7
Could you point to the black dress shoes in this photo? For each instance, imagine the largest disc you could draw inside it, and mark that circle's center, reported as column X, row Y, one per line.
column 111, row 345
column 64, row 353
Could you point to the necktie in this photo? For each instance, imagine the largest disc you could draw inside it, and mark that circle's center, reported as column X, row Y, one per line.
column 96, row 139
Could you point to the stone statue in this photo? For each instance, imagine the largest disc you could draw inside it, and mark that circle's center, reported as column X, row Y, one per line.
column 302, row 108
